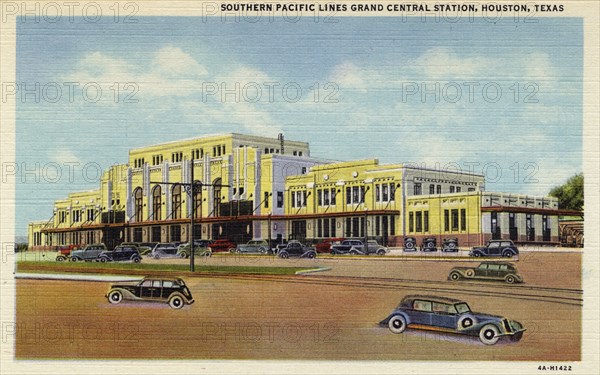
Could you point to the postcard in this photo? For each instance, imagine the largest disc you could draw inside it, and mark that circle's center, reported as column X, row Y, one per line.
column 299, row 187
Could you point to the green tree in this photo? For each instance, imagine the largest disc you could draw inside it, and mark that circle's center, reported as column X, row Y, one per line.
column 570, row 194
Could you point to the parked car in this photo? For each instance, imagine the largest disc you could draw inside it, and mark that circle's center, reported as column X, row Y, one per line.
column 495, row 248
column 450, row 244
column 356, row 247
column 297, row 249
column 88, row 253
column 121, row 253
column 410, row 244
column 253, row 246
column 502, row 271
column 164, row 250
column 183, row 250
column 64, row 252
column 429, row 244
column 173, row 291
column 221, row 245
column 144, row 248
column 450, row 315
column 325, row 245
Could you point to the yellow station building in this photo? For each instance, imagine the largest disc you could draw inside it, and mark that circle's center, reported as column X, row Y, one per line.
column 260, row 187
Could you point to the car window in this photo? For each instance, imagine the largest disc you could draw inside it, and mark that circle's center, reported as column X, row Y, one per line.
column 422, row 305
column 167, row 284
column 156, row 283
column 493, row 267
column 506, row 244
column 147, row 283
column 483, row 266
column 503, row 267
column 443, row 308
column 462, row 307
column 494, row 244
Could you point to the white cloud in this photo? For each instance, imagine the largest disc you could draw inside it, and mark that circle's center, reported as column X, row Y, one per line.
column 65, row 157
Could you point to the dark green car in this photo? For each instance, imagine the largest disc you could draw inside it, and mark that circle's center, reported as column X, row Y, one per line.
column 499, row 271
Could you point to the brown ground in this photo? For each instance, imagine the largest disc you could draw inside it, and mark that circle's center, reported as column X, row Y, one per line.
column 251, row 319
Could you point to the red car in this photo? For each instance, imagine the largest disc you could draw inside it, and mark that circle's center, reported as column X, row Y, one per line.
column 325, row 245
column 221, row 245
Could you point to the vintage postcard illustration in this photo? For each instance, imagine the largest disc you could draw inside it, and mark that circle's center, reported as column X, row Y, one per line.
column 299, row 187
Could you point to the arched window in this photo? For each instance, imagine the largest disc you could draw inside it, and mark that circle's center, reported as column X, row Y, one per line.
column 137, row 205
column 217, row 197
column 176, row 202
column 198, row 200
column 156, row 203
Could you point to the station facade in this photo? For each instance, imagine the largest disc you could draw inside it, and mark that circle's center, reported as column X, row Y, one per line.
column 271, row 188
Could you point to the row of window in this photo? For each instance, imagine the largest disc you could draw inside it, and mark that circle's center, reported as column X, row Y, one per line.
column 326, row 197
column 437, row 189
column 77, row 215
column 454, row 220
column 299, row 198
column 273, row 150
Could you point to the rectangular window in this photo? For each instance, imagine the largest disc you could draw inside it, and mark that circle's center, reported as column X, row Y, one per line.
column 454, row 219
column 471, row 189
column 333, row 194
column 438, row 189
column 458, row 189
column 279, row 199
column 446, row 220
column 418, row 188
column 293, row 199
column 419, row 221
column 392, row 225
column 362, row 227
column 377, row 226
column 451, row 189
column 326, row 197
column 411, row 225
column 319, row 228
column 348, row 195
column 426, row 221
column 266, row 199
column 392, row 192
column 332, row 228
column 377, row 193
column 319, row 198
column 384, row 193
column 355, row 227
column 362, row 194
column 355, row 194
column 431, row 189
column 348, row 227
column 463, row 219
column 325, row 227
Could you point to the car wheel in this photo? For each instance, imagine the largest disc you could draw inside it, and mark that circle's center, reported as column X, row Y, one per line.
column 262, row 250
column 454, row 276
column 74, row 259
column 115, row 297
column 380, row 252
column 232, row 250
column 176, row 302
column 507, row 254
column 397, row 324
column 477, row 255
column 156, row 256
column 489, row 334
column 183, row 255
column 469, row 273
column 353, row 252
column 311, row 255
column 137, row 259
column 510, row 279
column 284, row 255
column 60, row 259
column 410, row 245
column 238, row 251
column 103, row 260
column 517, row 337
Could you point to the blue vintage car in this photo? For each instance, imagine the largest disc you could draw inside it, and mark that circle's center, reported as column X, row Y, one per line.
column 450, row 315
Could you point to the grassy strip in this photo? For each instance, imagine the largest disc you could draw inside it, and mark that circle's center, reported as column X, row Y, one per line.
column 78, row 266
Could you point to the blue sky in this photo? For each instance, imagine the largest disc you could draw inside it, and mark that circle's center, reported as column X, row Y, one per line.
column 376, row 68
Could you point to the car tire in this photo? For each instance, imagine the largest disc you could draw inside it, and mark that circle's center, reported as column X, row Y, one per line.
column 477, row 255
column 469, row 273
column 312, row 255
column 238, row 251
column 397, row 324
column 489, row 334
column 74, row 259
column 381, row 252
column 510, row 279
column 232, row 250
column 262, row 250
column 184, row 255
column 156, row 256
column 516, row 337
column 115, row 297
column 176, row 302
column 353, row 252
column 103, row 260
column 60, row 259
column 507, row 254
column 410, row 246
column 284, row 255
column 136, row 259
column 455, row 276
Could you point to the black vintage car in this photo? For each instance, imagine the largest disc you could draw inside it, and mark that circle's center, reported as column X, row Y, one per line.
column 495, row 248
column 429, row 244
column 502, row 271
column 297, row 249
column 172, row 291
column 443, row 314
column 450, row 244
column 121, row 253
column 356, row 247
column 410, row 244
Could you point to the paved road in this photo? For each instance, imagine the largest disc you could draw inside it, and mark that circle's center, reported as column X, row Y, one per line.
column 298, row 317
